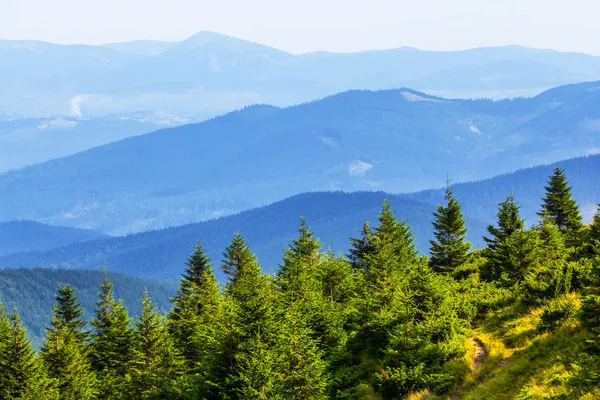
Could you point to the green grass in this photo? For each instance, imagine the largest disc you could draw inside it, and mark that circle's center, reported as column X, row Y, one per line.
column 524, row 362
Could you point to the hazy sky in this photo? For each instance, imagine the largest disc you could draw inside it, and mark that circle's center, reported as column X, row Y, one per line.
column 308, row 25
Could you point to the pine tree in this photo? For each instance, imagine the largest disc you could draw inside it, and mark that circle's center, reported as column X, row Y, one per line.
column 21, row 373
column 65, row 360
column 69, row 312
column 112, row 342
column 360, row 248
column 450, row 249
column 237, row 258
column 247, row 358
column 302, row 369
column 155, row 365
column 560, row 208
column 497, row 252
column 64, row 352
column 592, row 247
column 193, row 321
column 296, row 277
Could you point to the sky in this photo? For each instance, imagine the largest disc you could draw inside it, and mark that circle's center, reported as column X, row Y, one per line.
column 311, row 25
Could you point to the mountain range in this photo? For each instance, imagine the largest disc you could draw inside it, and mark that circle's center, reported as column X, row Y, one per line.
column 209, row 73
column 32, row 292
column 395, row 140
column 19, row 236
column 333, row 216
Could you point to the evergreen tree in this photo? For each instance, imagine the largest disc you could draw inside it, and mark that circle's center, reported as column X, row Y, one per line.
column 69, row 312
column 450, row 249
column 65, row 360
column 302, row 369
column 155, row 365
column 360, row 248
column 248, row 361
column 112, row 343
column 21, row 373
column 193, row 321
column 237, row 258
column 296, row 277
column 592, row 248
column 497, row 251
column 64, row 351
column 560, row 208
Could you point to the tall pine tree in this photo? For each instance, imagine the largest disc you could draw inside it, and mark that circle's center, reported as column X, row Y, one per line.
column 112, row 343
column 450, row 248
column 64, row 351
column 247, row 360
column 155, row 365
column 22, row 376
column 193, row 322
column 498, row 252
column 561, row 209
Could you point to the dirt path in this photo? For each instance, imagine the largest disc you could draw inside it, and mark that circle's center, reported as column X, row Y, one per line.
column 480, row 357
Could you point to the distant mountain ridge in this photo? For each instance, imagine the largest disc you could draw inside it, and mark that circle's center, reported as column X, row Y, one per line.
column 334, row 217
column 209, row 74
column 396, row 141
column 19, row 236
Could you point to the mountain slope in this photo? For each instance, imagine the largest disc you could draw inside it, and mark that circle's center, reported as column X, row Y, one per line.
column 32, row 293
column 20, row 236
column 333, row 216
column 209, row 73
column 397, row 141
column 480, row 199
column 161, row 254
column 31, row 141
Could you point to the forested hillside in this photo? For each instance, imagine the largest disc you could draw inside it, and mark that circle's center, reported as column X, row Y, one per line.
column 32, row 292
column 480, row 198
column 335, row 217
column 396, row 141
column 516, row 319
column 20, row 236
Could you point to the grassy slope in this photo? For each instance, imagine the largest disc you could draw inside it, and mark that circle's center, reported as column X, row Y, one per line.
column 522, row 362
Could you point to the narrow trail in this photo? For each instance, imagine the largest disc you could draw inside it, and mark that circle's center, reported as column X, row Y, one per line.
column 478, row 360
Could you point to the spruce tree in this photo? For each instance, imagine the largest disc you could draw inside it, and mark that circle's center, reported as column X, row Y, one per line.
column 69, row 312
column 497, row 251
column 248, row 359
column 193, row 322
column 296, row 276
column 360, row 248
column 561, row 209
column 22, row 375
column 237, row 258
column 64, row 351
column 155, row 364
column 65, row 360
column 592, row 247
column 450, row 248
column 112, row 343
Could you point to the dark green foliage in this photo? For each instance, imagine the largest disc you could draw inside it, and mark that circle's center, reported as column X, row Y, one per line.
column 65, row 349
column 155, row 364
column 112, row 343
column 382, row 324
column 560, row 207
column 556, row 312
column 196, row 310
column 33, row 290
column 22, row 376
column 450, row 248
column 498, row 250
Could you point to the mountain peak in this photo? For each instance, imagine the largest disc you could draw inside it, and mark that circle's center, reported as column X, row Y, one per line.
column 205, row 38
